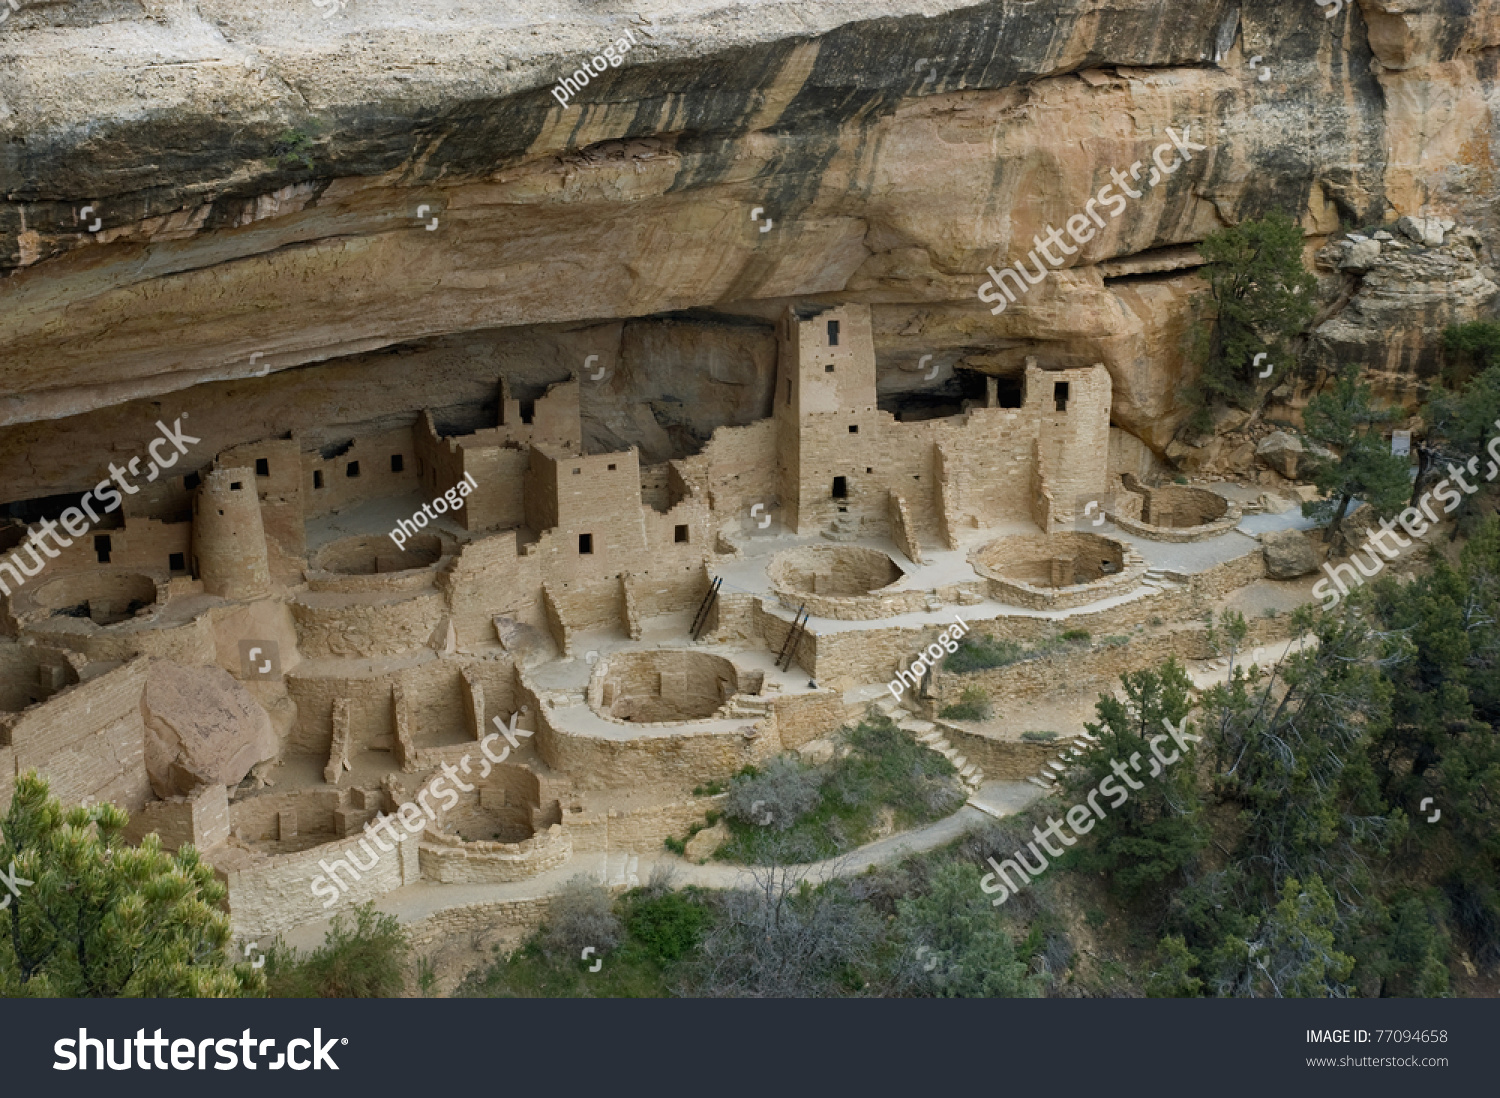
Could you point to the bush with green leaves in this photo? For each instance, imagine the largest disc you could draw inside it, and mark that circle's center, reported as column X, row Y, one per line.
column 982, row 653
column 362, row 959
column 581, row 915
column 950, row 943
column 99, row 918
column 776, row 796
column 972, row 705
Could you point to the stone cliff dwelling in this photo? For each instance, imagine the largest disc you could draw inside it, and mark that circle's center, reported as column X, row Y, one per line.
column 248, row 660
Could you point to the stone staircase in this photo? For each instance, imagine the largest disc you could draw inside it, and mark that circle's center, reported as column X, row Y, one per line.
column 1047, row 779
column 926, row 733
column 1161, row 580
column 744, row 707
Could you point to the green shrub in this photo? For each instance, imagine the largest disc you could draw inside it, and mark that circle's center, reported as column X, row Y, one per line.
column 982, row 653
column 712, row 789
column 676, row 846
column 358, row 961
column 1077, row 636
column 666, row 926
column 973, row 705
column 1116, row 640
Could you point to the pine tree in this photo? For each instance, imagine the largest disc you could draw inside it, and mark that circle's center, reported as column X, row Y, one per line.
column 93, row 917
column 1262, row 298
column 1344, row 420
column 1157, row 833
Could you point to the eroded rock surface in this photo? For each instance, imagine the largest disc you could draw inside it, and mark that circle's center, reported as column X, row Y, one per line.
column 202, row 728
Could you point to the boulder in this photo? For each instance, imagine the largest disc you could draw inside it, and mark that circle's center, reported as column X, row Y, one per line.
column 701, row 846
column 1289, row 554
column 1273, row 504
column 1427, row 231
column 1281, row 452
column 202, row 728
column 1360, row 256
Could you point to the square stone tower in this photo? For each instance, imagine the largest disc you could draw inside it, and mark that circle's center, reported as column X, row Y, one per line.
column 827, row 422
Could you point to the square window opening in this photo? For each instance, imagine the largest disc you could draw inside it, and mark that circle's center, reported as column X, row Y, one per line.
column 611, row 468
column 854, row 428
column 352, row 470
column 585, row 544
column 680, row 535
column 234, row 486
column 828, row 369
column 176, row 562
column 1008, row 392
column 262, row 467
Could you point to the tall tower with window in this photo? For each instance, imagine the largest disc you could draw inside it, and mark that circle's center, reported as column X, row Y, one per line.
column 826, row 415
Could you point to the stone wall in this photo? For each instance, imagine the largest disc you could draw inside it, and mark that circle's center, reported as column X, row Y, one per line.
column 201, row 819
column 270, row 895
column 355, row 626
column 637, row 830
column 446, row 859
column 650, row 758
column 803, row 717
column 88, row 741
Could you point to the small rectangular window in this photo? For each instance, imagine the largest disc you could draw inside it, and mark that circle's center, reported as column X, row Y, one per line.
column 102, row 547
column 828, row 369
column 833, row 333
column 528, row 410
column 1008, row 393
column 681, row 535
column 352, row 470
column 611, row 468
column 317, row 478
column 398, row 463
column 235, row 486
column 854, row 428
column 585, row 544
column 840, row 488
column 1060, row 395
column 176, row 562
column 262, row 467
column 577, row 471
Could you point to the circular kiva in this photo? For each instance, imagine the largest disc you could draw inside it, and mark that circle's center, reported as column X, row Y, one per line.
column 1059, row 570
column 662, row 686
column 375, row 554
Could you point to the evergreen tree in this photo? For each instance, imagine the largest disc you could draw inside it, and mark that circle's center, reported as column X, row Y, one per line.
column 1262, row 297
column 1157, row 833
column 96, row 917
column 1344, row 420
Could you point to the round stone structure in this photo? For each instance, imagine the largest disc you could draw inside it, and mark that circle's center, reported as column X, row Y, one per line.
column 105, row 598
column 371, row 555
column 1173, row 512
column 1057, row 571
column 662, row 686
column 847, row 582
